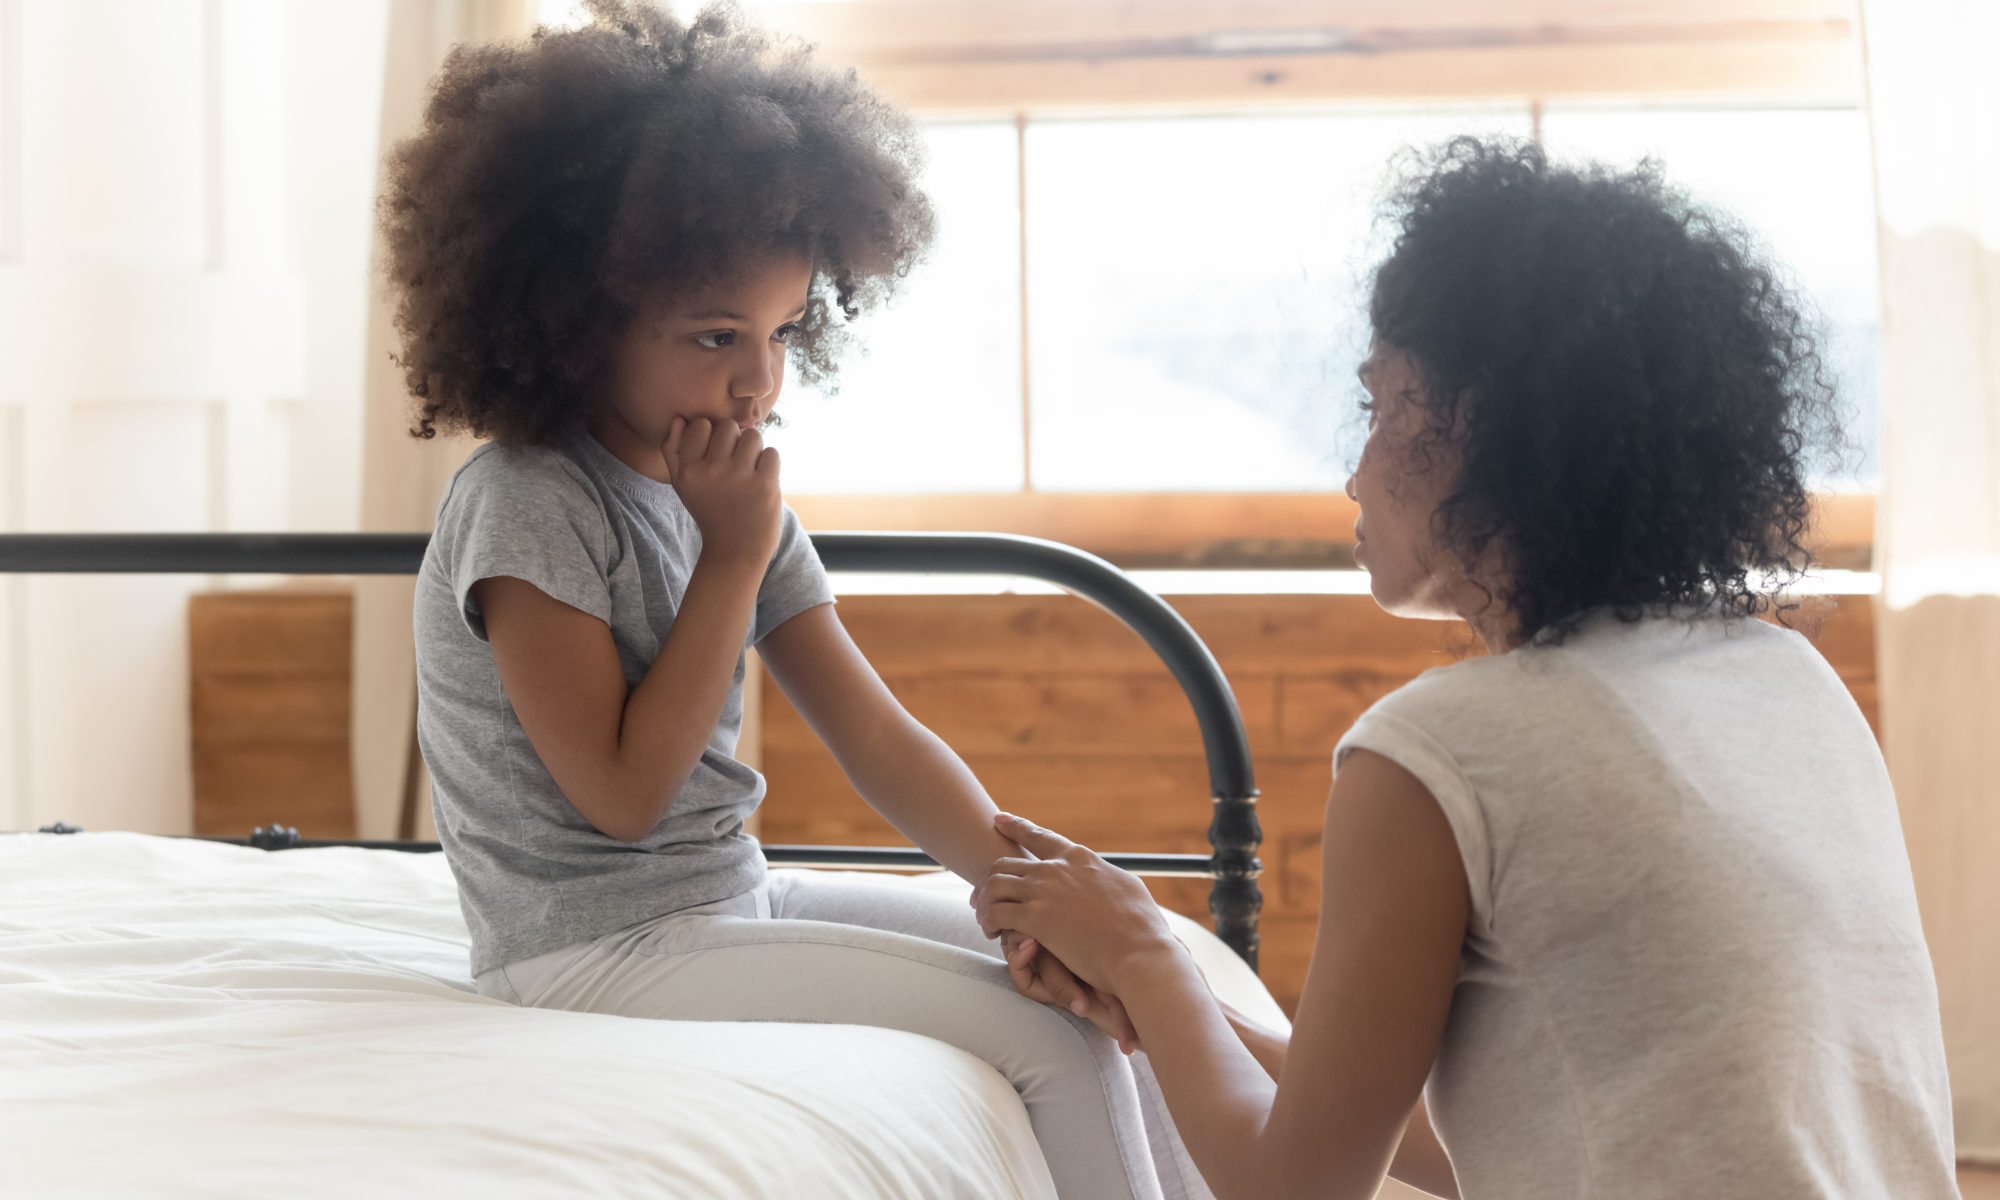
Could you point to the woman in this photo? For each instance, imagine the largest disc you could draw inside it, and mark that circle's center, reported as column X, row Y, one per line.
column 1625, row 899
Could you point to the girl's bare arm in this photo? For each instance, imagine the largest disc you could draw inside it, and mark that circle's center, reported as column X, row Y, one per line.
column 912, row 778
column 619, row 755
column 902, row 769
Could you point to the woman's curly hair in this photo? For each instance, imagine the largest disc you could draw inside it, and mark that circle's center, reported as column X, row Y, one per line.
column 1629, row 385
column 565, row 185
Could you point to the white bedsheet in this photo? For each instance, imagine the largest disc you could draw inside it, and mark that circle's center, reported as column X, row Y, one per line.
column 180, row 1018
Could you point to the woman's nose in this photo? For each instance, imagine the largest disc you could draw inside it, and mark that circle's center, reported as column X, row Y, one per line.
column 1349, row 489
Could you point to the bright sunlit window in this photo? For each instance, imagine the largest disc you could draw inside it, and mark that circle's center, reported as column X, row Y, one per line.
column 1195, row 291
column 931, row 400
column 1193, row 294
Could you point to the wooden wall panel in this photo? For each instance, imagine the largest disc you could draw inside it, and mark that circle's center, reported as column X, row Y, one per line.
column 269, row 701
column 1266, row 530
column 1000, row 711
column 1845, row 634
column 1068, row 718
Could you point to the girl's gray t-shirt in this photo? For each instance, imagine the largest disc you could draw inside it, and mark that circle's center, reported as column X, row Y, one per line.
column 578, row 523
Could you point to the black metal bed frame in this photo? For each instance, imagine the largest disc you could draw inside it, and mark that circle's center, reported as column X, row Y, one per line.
column 1234, row 899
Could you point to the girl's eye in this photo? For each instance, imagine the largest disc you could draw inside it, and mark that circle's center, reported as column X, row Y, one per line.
column 784, row 332
column 715, row 341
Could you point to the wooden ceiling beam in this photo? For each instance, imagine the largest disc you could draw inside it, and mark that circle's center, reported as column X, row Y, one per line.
column 1783, row 72
column 973, row 56
column 866, row 28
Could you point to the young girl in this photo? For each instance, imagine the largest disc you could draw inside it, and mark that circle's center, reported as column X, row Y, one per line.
column 1630, row 891
column 608, row 243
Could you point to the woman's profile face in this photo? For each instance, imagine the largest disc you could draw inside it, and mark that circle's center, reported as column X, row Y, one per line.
column 1398, row 484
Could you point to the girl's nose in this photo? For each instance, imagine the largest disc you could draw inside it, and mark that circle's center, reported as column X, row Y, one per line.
column 1349, row 489
column 756, row 379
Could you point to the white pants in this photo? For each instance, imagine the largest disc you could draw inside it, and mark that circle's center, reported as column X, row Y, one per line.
column 816, row 946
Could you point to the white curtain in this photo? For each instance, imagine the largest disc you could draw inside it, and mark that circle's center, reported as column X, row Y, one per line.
column 1934, row 105
column 403, row 478
column 184, row 219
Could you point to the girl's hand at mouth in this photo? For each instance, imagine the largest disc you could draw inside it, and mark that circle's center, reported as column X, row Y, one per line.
column 727, row 478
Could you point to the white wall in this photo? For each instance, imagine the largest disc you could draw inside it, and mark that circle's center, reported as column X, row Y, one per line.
column 185, row 198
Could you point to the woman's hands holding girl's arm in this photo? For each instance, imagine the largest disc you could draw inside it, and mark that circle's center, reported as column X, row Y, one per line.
column 1394, row 906
column 1103, row 916
column 621, row 754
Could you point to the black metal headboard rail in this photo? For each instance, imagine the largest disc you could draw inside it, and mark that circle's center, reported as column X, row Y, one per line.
column 1234, row 900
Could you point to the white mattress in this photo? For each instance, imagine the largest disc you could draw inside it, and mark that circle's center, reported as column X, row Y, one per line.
column 180, row 1018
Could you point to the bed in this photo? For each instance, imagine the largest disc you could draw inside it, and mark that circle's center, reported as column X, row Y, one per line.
column 203, row 1017
column 186, row 1018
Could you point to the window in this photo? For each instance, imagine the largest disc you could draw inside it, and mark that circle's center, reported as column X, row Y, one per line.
column 1195, row 285
column 1193, row 290
column 931, row 399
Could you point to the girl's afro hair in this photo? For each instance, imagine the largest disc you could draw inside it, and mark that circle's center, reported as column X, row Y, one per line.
column 565, row 185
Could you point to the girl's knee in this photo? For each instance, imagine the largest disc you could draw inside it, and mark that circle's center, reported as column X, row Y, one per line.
column 1061, row 1043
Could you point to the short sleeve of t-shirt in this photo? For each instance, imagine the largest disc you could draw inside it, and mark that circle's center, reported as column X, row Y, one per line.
column 1398, row 727
column 794, row 582
column 525, row 516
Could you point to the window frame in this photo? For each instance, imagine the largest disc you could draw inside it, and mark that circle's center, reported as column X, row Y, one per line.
column 1020, row 60
column 1216, row 529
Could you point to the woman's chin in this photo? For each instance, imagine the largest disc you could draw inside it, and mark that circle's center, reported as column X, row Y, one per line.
column 1385, row 600
column 1399, row 599
column 1387, row 597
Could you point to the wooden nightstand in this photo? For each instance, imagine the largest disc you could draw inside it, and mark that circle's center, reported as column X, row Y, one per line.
column 270, row 680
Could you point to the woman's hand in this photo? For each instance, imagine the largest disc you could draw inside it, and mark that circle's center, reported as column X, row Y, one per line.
column 1097, row 919
column 1041, row 976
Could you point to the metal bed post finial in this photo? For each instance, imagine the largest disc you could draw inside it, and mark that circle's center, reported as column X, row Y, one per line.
column 1234, row 900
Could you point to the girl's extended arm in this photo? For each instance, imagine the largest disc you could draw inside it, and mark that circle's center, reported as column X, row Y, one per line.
column 911, row 777
column 621, row 755
column 1393, row 915
column 902, row 769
